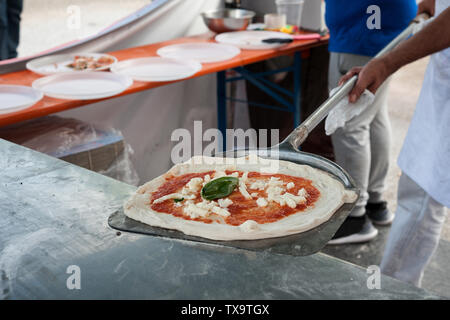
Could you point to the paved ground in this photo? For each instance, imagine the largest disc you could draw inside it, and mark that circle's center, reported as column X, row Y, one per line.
column 45, row 24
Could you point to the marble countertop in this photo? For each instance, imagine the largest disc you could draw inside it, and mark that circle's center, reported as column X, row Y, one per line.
column 53, row 215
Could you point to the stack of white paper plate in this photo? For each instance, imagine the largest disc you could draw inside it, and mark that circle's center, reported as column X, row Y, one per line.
column 59, row 63
column 202, row 52
column 14, row 98
column 157, row 69
column 83, row 85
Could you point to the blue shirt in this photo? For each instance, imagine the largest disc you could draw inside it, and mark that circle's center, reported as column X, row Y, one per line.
column 347, row 22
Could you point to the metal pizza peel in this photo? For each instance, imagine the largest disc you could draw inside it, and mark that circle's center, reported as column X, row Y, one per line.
column 300, row 244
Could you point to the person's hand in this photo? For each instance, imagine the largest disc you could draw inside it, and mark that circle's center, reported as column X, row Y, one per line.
column 427, row 6
column 370, row 77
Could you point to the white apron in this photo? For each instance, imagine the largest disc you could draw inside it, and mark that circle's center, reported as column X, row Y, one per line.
column 425, row 156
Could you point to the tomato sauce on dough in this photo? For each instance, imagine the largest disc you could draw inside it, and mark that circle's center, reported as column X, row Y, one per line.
column 241, row 209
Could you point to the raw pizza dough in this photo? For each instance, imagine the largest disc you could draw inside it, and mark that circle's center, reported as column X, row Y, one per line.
column 332, row 195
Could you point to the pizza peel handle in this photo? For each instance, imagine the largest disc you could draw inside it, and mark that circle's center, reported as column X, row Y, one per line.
column 299, row 135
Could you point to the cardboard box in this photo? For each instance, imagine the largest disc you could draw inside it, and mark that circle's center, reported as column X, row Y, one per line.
column 97, row 155
column 70, row 140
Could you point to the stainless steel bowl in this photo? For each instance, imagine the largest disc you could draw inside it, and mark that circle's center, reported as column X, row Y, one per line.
column 226, row 20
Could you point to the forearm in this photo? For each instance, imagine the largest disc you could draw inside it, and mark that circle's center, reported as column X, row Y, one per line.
column 433, row 38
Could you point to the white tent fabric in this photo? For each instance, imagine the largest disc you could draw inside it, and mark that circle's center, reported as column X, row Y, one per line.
column 147, row 119
column 160, row 19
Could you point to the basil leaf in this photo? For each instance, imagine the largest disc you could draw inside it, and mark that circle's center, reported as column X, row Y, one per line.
column 178, row 200
column 219, row 188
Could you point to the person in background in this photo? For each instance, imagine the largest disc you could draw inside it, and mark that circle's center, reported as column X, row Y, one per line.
column 359, row 29
column 10, row 11
column 424, row 186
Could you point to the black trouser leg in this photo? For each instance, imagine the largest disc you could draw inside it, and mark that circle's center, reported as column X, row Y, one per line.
column 14, row 10
column 4, row 38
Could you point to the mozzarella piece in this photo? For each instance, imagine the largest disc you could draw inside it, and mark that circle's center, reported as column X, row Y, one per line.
column 204, row 209
column 221, row 211
column 243, row 191
column 262, row 202
column 225, row 203
column 173, row 196
column 275, row 182
column 195, row 184
column 302, row 192
column 293, row 200
column 275, row 193
column 290, row 199
column 258, row 185
column 249, row 226
column 243, row 187
column 206, row 204
column 188, row 192
column 290, row 185
column 194, row 211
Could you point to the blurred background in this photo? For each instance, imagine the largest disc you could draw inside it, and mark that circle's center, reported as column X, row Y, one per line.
column 49, row 23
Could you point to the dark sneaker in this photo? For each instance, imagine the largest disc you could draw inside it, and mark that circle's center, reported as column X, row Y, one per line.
column 355, row 230
column 379, row 213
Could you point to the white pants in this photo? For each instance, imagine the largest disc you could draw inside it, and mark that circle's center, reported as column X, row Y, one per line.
column 415, row 233
column 362, row 146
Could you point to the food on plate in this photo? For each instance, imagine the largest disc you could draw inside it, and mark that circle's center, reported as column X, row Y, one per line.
column 90, row 63
column 232, row 199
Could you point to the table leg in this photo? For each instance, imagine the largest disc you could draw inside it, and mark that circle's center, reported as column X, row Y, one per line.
column 297, row 88
column 222, row 106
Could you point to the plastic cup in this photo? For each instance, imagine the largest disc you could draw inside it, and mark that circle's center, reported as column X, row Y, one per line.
column 292, row 9
column 274, row 21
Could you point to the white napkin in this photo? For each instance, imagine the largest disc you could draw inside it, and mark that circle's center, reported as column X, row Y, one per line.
column 420, row 25
column 344, row 111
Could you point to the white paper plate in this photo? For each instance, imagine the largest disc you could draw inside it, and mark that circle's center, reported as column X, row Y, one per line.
column 58, row 63
column 252, row 40
column 199, row 51
column 157, row 69
column 83, row 85
column 14, row 98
